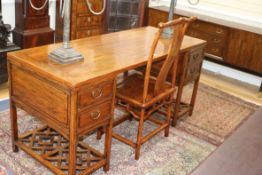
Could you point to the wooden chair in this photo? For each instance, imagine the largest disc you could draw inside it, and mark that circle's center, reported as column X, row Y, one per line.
column 188, row 71
column 141, row 96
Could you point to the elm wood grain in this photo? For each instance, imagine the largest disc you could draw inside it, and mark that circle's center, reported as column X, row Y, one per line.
column 104, row 59
column 25, row 81
column 142, row 96
column 245, row 50
column 28, row 31
column 104, row 55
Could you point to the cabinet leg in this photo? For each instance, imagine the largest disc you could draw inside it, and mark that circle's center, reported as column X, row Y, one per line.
column 14, row 128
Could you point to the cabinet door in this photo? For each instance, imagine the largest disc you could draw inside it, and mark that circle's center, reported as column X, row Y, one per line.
column 245, row 50
column 125, row 14
column 156, row 16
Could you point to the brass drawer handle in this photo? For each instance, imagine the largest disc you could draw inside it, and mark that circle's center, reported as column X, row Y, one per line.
column 96, row 114
column 217, row 40
column 195, row 56
column 219, row 31
column 97, row 93
column 214, row 49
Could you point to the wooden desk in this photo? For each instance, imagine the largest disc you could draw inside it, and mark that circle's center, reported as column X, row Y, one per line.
column 77, row 98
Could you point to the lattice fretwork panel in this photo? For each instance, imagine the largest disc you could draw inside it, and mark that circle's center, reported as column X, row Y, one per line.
column 53, row 147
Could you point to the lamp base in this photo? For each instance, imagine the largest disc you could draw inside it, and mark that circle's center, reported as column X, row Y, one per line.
column 65, row 55
column 167, row 33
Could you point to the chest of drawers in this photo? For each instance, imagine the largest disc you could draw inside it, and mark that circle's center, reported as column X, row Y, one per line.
column 83, row 22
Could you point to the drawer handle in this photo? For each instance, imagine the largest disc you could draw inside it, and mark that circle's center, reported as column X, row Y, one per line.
column 95, row 115
column 195, row 56
column 97, row 93
column 196, row 25
column 217, row 40
column 215, row 50
column 219, row 31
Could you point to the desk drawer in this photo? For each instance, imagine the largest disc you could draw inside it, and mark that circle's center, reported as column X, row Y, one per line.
column 210, row 28
column 95, row 114
column 95, row 93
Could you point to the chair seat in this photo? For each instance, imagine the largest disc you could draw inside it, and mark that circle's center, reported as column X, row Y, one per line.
column 131, row 90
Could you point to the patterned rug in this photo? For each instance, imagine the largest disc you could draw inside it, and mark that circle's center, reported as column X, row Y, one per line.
column 216, row 115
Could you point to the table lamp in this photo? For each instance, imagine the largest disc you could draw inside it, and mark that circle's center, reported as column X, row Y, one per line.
column 168, row 31
column 66, row 54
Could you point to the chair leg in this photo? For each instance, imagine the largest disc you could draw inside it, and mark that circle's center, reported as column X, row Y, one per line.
column 168, row 112
column 139, row 134
column 177, row 105
column 193, row 97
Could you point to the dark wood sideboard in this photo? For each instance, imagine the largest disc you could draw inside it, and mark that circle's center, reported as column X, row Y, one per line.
column 233, row 47
column 3, row 62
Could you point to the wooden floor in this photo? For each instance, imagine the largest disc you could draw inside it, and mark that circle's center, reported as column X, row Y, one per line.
column 4, row 93
column 233, row 87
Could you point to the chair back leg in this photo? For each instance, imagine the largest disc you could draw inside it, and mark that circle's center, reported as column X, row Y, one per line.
column 140, row 134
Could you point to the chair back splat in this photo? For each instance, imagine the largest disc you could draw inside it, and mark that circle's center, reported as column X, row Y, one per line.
column 179, row 27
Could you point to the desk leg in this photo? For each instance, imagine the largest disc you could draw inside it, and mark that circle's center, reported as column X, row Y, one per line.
column 108, row 137
column 108, row 141
column 14, row 128
column 72, row 136
column 180, row 88
column 194, row 94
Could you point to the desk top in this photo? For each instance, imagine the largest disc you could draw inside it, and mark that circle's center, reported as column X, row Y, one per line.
column 104, row 55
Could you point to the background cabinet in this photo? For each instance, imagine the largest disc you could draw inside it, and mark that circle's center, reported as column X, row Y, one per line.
column 31, row 26
column 125, row 14
column 119, row 15
column 233, row 47
column 83, row 22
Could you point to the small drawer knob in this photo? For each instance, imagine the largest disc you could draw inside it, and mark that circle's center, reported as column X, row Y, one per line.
column 95, row 114
column 89, row 19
